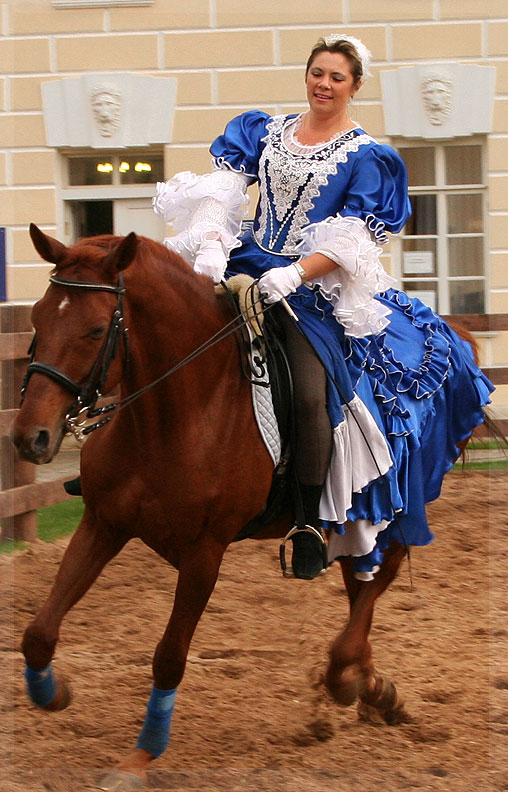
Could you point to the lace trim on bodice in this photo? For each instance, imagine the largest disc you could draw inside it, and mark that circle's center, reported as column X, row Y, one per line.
column 290, row 182
column 289, row 136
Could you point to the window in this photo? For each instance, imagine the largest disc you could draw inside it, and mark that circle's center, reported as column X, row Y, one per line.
column 115, row 169
column 442, row 246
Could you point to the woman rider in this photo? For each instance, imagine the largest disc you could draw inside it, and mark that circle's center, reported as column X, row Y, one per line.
column 375, row 373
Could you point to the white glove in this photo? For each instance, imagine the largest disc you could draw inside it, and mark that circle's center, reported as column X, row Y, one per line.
column 210, row 260
column 278, row 282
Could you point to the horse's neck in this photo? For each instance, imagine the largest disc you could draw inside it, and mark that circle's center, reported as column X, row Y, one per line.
column 172, row 313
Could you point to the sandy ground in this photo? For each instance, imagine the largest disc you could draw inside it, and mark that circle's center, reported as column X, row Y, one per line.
column 247, row 718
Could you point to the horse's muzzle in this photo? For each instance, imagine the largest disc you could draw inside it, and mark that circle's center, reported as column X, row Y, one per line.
column 37, row 445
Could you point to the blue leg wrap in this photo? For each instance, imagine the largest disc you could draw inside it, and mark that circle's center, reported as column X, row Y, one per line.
column 41, row 685
column 154, row 736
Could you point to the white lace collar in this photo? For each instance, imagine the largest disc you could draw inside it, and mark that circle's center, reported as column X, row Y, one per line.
column 302, row 149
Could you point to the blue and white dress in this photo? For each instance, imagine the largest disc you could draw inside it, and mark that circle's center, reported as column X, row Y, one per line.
column 403, row 388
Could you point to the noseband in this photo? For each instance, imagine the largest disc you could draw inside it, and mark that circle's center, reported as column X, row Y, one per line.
column 87, row 394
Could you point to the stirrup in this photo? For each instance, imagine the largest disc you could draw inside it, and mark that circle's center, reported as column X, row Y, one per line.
column 287, row 571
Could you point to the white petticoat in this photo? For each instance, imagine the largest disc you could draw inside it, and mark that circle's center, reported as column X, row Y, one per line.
column 360, row 454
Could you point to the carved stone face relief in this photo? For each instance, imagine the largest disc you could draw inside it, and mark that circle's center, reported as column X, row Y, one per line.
column 437, row 91
column 106, row 105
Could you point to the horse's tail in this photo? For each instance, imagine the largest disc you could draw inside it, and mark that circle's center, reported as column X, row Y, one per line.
column 463, row 333
column 494, row 430
column 490, row 428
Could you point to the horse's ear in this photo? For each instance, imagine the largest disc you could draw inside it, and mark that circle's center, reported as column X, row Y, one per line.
column 48, row 248
column 122, row 255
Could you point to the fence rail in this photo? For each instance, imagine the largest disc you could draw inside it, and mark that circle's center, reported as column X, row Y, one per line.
column 21, row 494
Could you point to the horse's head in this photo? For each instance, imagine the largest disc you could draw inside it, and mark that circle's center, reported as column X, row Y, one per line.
column 72, row 322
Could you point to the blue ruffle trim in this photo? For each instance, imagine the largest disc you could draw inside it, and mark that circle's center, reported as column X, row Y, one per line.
column 426, row 406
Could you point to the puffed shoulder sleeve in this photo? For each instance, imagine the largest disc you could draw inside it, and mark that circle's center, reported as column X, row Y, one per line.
column 239, row 147
column 377, row 192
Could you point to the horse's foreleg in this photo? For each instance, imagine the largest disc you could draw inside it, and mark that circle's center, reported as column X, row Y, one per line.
column 350, row 673
column 198, row 570
column 89, row 550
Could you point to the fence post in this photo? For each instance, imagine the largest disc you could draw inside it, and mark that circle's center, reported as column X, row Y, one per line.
column 15, row 319
column 3, row 284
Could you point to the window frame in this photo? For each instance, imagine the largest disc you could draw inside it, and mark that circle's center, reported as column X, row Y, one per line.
column 442, row 279
column 115, row 156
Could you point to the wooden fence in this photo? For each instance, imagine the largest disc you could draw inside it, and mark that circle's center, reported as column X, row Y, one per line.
column 21, row 494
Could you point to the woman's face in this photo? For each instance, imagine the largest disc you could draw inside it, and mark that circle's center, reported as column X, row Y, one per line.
column 330, row 84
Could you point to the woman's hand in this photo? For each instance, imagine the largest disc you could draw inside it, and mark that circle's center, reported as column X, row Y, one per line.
column 210, row 260
column 281, row 281
column 278, row 282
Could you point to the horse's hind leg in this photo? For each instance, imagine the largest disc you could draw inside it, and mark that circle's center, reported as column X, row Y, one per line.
column 350, row 674
column 89, row 550
column 198, row 570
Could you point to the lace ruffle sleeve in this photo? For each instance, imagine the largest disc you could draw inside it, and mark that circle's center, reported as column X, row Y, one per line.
column 197, row 205
column 377, row 192
column 350, row 287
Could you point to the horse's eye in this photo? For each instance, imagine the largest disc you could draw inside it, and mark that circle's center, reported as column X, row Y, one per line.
column 97, row 332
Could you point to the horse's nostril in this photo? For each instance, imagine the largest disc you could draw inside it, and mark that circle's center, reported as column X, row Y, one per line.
column 41, row 441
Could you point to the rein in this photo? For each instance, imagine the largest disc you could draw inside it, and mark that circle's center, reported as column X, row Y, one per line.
column 89, row 393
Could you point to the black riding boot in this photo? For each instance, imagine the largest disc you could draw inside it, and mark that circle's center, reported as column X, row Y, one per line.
column 309, row 552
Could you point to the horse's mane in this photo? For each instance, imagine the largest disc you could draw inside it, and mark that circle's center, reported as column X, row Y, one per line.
column 105, row 242
column 92, row 249
column 152, row 259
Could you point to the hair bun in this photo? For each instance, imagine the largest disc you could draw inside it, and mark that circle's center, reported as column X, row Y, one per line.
column 363, row 52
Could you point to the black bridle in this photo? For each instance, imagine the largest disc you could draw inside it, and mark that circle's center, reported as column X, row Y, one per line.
column 90, row 392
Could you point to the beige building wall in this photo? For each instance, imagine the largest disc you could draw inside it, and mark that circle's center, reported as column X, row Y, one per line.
column 227, row 57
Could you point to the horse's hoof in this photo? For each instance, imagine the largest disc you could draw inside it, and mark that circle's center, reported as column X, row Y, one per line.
column 344, row 686
column 381, row 696
column 122, row 781
column 369, row 714
column 62, row 699
column 397, row 716
column 381, row 693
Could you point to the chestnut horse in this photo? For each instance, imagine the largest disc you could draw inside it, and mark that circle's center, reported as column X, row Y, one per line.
column 182, row 467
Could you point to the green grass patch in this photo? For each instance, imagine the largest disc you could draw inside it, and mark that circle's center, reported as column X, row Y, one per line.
column 494, row 464
column 59, row 520
column 481, row 445
column 9, row 546
column 52, row 523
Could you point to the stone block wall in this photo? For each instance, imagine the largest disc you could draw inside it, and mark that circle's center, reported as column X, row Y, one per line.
column 227, row 57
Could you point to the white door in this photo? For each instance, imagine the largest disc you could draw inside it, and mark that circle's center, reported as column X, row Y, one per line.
column 136, row 214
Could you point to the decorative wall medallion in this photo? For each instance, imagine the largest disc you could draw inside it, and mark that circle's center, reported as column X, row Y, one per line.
column 120, row 110
column 106, row 101
column 438, row 100
column 437, row 93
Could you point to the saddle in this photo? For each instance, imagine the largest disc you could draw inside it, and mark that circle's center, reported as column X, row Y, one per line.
column 264, row 363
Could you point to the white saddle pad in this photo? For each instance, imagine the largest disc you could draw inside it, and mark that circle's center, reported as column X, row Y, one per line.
column 263, row 405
